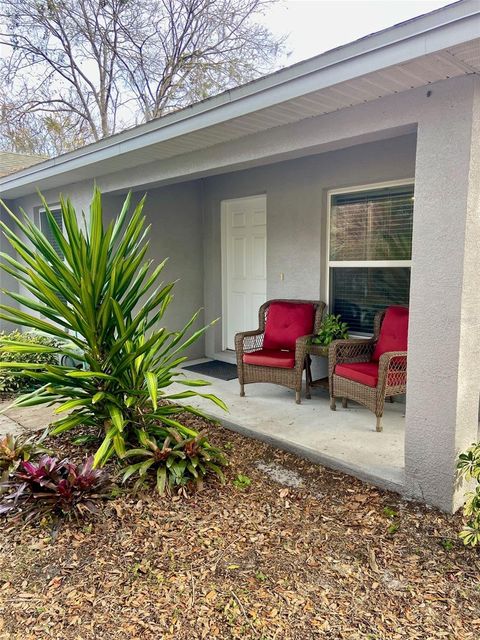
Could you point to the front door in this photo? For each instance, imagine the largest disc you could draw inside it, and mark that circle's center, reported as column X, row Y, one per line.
column 244, row 264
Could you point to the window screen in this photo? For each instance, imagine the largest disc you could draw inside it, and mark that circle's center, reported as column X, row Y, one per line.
column 370, row 252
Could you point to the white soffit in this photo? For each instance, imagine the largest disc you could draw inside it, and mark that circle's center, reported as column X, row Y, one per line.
column 459, row 61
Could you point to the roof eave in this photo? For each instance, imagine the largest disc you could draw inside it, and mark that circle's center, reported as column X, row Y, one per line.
column 421, row 36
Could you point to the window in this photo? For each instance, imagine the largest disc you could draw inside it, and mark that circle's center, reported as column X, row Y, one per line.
column 48, row 233
column 46, row 230
column 370, row 250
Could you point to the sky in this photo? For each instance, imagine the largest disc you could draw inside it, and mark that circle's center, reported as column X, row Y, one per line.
column 314, row 26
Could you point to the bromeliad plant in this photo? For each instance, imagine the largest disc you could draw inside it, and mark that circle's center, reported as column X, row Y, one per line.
column 175, row 459
column 51, row 487
column 469, row 468
column 98, row 297
column 17, row 449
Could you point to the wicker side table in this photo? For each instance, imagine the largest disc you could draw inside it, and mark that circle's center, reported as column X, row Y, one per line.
column 314, row 350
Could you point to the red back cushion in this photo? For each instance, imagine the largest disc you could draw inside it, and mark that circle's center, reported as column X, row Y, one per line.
column 393, row 332
column 287, row 321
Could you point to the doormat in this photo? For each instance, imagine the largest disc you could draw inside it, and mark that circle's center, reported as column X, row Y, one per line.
column 215, row 369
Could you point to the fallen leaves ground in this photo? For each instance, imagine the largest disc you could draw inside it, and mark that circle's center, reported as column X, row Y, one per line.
column 332, row 558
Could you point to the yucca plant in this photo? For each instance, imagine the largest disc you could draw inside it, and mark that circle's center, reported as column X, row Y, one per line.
column 102, row 302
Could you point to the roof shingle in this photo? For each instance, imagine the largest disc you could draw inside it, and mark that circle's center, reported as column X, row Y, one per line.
column 11, row 162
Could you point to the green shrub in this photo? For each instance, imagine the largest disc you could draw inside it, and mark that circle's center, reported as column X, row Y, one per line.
column 103, row 304
column 10, row 384
column 469, row 469
column 332, row 328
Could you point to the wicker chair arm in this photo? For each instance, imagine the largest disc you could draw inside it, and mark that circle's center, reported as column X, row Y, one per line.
column 249, row 341
column 385, row 360
column 392, row 368
column 301, row 348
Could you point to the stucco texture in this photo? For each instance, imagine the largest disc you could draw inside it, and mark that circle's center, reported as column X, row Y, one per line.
column 296, row 215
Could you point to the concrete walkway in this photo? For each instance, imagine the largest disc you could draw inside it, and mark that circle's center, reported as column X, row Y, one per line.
column 345, row 439
column 7, row 425
column 18, row 420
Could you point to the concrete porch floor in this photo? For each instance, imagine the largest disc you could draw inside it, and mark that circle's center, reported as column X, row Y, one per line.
column 344, row 439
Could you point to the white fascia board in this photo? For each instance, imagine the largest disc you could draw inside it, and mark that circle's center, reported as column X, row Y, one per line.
column 427, row 34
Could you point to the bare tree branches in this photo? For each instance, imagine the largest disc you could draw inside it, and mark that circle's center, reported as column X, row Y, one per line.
column 97, row 66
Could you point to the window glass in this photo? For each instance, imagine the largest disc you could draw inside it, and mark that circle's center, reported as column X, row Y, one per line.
column 357, row 293
column 368, row 227
column 372, row 225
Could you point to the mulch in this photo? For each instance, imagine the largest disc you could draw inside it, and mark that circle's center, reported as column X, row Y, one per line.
column 333, row 558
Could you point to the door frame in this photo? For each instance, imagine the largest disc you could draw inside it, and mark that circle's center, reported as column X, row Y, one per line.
column 224, row 259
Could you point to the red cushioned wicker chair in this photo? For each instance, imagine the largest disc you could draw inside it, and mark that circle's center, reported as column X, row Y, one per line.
column 369, row 371
column 275, row 352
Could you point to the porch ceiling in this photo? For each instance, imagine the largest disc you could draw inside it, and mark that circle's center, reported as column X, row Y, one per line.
column 434, row 47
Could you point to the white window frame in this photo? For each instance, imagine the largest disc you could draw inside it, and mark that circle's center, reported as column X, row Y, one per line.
column 38, row 217
column 359, row 263
column 41, row 210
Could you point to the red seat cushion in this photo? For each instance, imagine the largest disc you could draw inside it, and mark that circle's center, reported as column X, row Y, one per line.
column 393, row 332
column 362, row 372
column 367, row 373
column 287, row 321
column 271, row 358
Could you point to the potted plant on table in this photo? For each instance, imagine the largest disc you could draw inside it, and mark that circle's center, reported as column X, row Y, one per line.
column 332, row 328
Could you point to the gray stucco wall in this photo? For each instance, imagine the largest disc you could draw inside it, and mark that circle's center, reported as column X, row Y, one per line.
column 6, row 281
column 296, row 215
column 186, row 224
column 80, row 193
column 444, row 337
column 176, row 217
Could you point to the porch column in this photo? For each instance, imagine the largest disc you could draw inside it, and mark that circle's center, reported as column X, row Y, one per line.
column 444, row 334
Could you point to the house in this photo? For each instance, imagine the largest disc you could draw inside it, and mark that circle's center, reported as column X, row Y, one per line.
column 262, row 181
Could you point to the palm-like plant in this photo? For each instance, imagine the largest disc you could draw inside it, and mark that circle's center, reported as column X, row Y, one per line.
column 103, row 303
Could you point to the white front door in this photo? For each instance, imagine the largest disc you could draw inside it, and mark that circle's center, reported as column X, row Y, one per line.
column 244, row 264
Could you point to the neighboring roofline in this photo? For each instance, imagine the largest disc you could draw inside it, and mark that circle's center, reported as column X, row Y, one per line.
column 439, row 29
column 22, row 154
column 13, row 162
